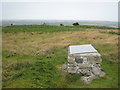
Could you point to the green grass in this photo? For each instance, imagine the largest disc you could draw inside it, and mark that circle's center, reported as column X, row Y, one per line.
column 40, row 28
column 111, row 32
column 48, row 28
column 97, row 27
column 44, row 71
column 41, row 72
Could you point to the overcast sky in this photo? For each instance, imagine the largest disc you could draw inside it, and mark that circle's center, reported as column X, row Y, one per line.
column 60, row 10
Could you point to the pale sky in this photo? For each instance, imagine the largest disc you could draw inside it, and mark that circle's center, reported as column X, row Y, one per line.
column 103, row 10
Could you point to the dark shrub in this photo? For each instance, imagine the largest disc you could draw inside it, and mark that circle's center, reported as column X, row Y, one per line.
column 61, row 25
column 75, row 24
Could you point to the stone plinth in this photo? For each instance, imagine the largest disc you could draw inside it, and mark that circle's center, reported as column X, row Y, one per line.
column 84, row 59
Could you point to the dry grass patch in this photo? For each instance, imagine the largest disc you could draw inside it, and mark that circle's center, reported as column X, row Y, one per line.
column 26, row 43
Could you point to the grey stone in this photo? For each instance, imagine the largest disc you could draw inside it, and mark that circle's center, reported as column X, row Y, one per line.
column 84, row 65
column 96, row 70
column 72, row 69
column 64, row 68
column 71, row 59
column 102, row 74
column 86, row 80
column 86, row 60
column 84, row 71
column 72, row 65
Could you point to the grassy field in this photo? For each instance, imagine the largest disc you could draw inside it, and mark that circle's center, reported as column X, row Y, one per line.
column 33, row 55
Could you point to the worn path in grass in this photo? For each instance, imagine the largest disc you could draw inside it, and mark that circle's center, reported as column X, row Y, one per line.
column 33, row 55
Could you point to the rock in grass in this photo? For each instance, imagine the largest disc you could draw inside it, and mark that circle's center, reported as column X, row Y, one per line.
column 102, row 74
column 87, row 79
column 32, row 33
column 64, row 68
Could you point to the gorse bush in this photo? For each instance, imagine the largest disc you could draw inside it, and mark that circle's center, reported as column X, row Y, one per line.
column 76, row 24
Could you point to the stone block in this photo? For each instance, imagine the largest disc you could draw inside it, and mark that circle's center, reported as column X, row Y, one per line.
column 86, row 60
column 72, row 69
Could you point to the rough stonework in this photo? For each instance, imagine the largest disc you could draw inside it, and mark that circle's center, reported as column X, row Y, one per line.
column 84, row 59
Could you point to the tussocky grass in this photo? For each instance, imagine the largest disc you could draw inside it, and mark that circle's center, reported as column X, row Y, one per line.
column 33, row 56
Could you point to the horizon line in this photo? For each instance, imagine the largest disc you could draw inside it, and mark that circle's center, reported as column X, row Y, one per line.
column 57, row 19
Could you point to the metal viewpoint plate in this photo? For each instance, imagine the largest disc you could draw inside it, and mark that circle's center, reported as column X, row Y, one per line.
column 79, row 49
